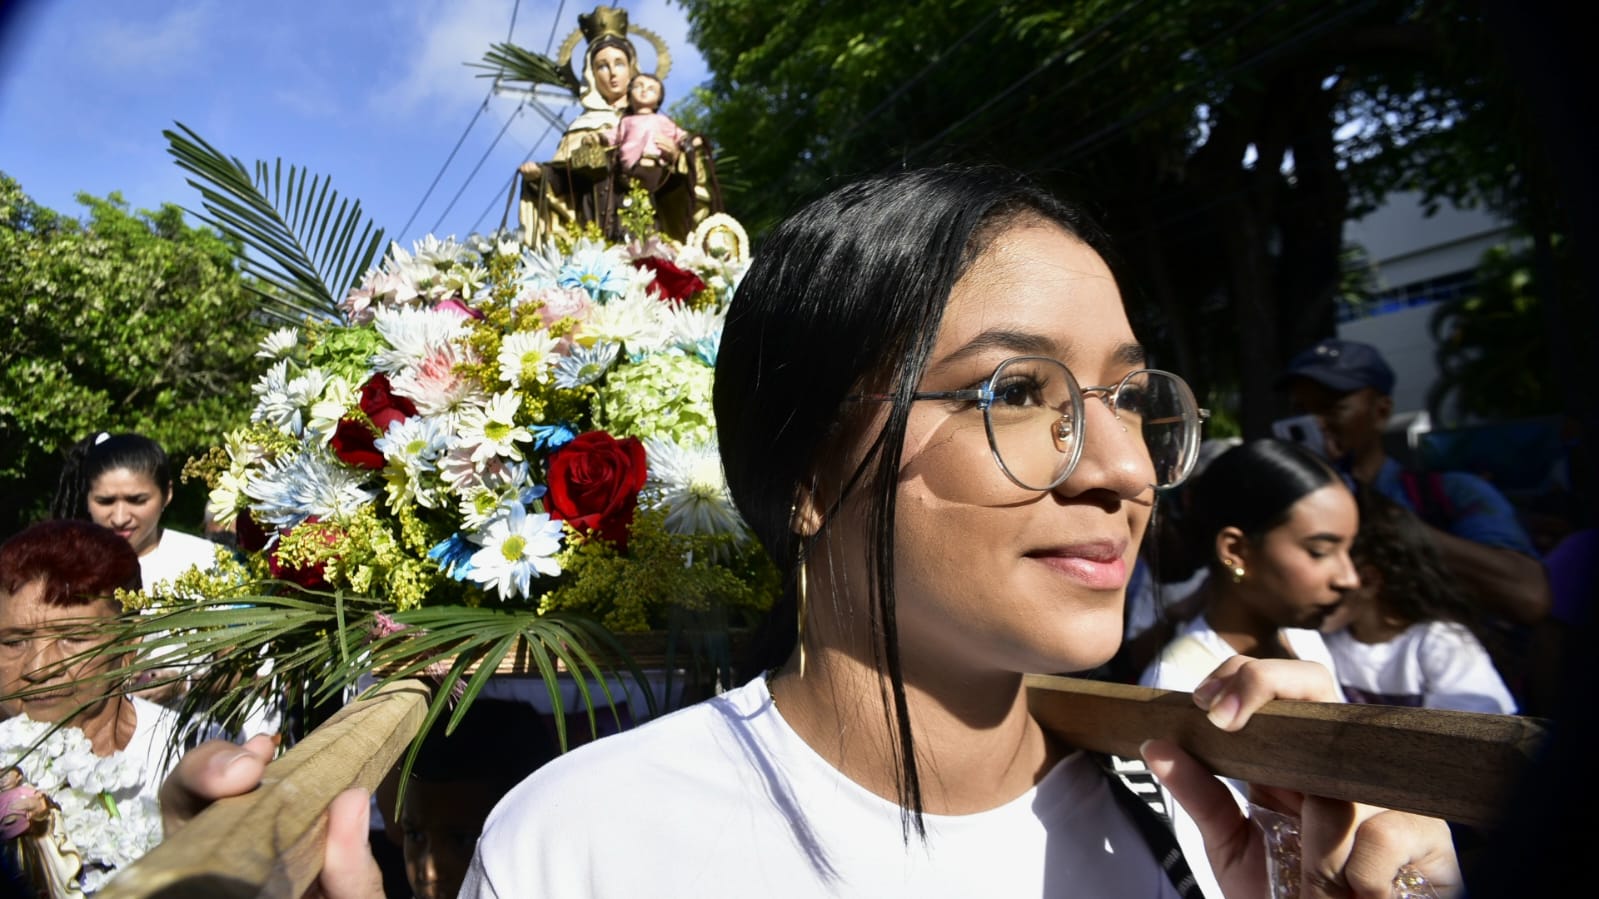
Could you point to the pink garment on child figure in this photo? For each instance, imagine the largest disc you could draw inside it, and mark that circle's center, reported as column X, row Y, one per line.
column 635, row 136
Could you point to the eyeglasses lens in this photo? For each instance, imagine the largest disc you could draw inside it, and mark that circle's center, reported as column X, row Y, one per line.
column 1035, row 421
column 1161, row 407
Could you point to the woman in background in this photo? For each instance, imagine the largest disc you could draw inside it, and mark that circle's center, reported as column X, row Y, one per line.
column 124, row 482
column 1274, row 525
column 1409, row 638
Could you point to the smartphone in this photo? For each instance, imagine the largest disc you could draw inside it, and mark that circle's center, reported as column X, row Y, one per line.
column 1304, row 430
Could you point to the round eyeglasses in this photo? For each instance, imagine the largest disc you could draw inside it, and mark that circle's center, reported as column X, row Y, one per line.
column 1033, row 412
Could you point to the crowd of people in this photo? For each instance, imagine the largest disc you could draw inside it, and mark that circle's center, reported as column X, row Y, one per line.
column 934, row 414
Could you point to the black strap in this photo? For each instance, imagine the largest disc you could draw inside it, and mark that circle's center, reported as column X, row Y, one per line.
column 1135, row 789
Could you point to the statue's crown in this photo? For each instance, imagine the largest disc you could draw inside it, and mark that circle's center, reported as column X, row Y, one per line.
column 604, row 21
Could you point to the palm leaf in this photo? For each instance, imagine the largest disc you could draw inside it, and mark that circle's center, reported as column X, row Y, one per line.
column 508, row 62
column 303, row 243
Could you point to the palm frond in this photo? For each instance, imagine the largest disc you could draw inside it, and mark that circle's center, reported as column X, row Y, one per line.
column 508, row 62
column 305, row 243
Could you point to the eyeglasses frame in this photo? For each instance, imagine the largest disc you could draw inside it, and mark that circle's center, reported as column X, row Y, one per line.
column 983, row 396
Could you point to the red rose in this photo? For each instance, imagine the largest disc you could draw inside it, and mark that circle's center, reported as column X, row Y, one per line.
column 311, row 578
column 252, row 537
column 382, row 405
column 594, row 484
column 354, row 441
column 355, row 444
column 673, row 284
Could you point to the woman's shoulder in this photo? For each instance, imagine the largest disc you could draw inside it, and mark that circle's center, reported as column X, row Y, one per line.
column 683, row 751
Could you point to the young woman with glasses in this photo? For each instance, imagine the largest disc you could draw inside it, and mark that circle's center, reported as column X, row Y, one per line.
column 935, row 416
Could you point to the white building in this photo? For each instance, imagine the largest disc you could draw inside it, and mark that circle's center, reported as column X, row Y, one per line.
column 1416, row 261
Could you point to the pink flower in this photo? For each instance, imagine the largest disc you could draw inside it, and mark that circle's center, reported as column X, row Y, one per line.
column 454, row 304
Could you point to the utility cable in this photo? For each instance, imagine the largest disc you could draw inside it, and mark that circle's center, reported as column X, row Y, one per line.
column 479, row 166
column 515, row 7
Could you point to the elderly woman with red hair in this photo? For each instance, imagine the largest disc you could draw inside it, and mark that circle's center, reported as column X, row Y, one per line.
column 58, row 581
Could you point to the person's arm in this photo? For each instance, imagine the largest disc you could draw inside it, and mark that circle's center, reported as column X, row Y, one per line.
column 1345, row 847
column 1509, row 584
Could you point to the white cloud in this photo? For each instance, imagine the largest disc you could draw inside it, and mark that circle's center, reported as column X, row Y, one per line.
column 445, row 37
column 161, row 44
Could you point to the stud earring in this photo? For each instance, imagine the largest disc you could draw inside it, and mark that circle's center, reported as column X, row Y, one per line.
column 1236, row 568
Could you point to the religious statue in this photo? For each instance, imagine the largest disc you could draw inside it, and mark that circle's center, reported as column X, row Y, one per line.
column 588, row 178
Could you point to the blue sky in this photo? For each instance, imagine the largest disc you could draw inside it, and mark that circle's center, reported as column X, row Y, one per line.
column 373, row 93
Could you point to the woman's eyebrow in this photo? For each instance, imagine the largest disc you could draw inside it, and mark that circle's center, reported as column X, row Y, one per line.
column 1022, row 343
column 1131, row 354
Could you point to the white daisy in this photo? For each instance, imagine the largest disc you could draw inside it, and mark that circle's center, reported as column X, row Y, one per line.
column 516, row 548
column 288, row 491
column 688, row 483
column 491, row 429
column 526, row 356
column 278, row 344
column 413, row 335
column 585, row 365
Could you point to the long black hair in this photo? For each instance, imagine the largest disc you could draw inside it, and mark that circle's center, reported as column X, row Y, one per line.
column 99, row 453
column 847, row 295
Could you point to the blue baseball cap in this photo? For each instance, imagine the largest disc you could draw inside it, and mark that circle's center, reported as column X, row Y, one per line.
column 1341, row 365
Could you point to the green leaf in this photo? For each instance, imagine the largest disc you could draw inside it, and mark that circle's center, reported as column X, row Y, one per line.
column 294, row 231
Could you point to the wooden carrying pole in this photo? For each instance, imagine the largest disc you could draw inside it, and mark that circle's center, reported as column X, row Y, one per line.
column 269, row 843
column 1460, row 766
column 1453, row 765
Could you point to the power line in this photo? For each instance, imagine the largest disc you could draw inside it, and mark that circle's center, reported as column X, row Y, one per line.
column 495, row 200
column 479, row 166
column 515, row 7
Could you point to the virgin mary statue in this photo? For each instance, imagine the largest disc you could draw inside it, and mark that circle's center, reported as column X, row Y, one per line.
column 584, row 182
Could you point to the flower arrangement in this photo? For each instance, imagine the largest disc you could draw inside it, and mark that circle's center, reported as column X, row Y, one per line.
column 101, row 814
column 493, row 425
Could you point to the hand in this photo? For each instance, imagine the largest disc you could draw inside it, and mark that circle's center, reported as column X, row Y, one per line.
column 1347, row 848
column 668, row 148
column 218, row 769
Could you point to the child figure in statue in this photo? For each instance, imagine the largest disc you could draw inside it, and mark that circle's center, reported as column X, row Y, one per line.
column 640, row 134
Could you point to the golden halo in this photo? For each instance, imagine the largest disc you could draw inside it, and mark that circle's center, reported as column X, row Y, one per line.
column 663, row 56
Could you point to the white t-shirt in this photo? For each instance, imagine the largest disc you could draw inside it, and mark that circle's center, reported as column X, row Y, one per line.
column 175, row 554
column 1432, row 664
column 154, row 730
column 724, row 799
column 1186, row 661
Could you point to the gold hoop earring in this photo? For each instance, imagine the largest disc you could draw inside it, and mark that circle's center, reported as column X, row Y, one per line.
column 801, row 600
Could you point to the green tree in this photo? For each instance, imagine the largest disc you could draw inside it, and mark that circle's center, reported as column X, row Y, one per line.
column 1223, row 143
column 1493, row 356
column 119, row 321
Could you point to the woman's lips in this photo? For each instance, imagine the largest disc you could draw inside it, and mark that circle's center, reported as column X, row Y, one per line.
column 1099, row 565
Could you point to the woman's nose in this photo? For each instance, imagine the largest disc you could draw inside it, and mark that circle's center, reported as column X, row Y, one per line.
column 1114, row 455
column 1347, row 577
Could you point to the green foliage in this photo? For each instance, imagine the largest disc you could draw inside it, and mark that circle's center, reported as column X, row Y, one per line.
column 1493, row 353
column 307, row 246
column 120, row 321
column 1145, row 113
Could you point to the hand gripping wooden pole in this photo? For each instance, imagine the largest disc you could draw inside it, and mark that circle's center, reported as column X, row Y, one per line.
column 269, row 843
column 1460, row 766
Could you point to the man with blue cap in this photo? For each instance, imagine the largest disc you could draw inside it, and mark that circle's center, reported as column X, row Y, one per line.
column 1348, row 387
